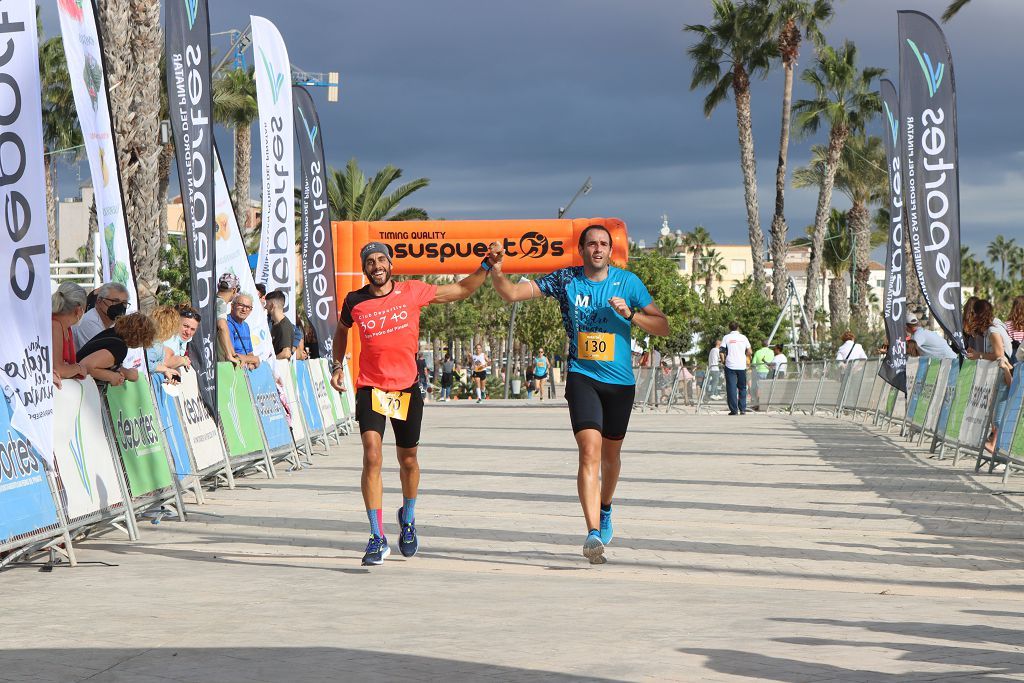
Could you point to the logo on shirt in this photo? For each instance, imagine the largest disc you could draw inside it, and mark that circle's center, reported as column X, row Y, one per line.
column 583, row 301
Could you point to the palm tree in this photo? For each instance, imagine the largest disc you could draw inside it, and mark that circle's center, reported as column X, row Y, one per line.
column 132, row 44
column 234, row 105
column 791, row 17
column 836, row 256
column 999, row 250
column 696, row 241
column 845, row 99
column 1015, row 263
column 860, row 176
column 353, row 199
column 712, row 265
column 60, row 124
column 953, row 8
column 737, row 45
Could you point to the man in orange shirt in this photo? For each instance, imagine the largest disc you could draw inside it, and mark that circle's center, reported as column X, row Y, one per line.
column 388, row 316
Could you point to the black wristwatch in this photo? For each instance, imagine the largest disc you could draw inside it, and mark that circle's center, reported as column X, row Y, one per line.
column 632, row 312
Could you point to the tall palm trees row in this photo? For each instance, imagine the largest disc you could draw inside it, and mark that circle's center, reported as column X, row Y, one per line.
column 999, row 286
column 745, row 39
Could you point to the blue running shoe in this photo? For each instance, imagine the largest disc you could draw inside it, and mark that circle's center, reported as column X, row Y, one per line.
column 376, row 551
column 607, row 532
column 593, row 548
column 408, row 542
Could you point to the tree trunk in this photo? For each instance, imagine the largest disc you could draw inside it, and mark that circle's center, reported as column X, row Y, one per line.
column 748, row 163
column 49, row 170
column 132, row 42
column 839, row 303
column 243, row 170
column 837, row 138
column 780, row 274
column 860, row 226
column 90, row 243
column 166, row 159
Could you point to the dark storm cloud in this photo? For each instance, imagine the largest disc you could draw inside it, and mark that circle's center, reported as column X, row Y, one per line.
column 508, row 107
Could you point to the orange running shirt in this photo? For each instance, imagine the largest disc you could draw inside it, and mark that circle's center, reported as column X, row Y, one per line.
column 389, row 327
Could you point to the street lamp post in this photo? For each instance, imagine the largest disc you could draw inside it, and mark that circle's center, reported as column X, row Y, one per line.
column 585, row 188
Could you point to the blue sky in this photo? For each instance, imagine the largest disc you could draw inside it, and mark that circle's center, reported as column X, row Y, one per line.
column 508, row 107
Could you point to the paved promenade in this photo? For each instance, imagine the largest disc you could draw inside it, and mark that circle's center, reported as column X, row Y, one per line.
column 748, row 548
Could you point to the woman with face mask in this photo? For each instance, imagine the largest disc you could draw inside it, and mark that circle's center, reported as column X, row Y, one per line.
column 67, row 308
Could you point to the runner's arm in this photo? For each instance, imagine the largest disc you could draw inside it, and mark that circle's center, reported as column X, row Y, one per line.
column 338, row 349
column 460, row 290
column 650, row 319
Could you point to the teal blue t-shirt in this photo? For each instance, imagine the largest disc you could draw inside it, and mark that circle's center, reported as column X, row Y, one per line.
column 586, row 311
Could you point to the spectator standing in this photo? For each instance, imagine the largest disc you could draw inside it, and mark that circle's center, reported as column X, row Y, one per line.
column 996, row 347
column 422, row 376
column 737, row 351
column 227, row 289
column 166, row 321
column 687, row 381
column 850, row 349
column 111, row 304
column 972, row 342
column 714, row 370
column 1015, row 326
column 282, row 331
column 103, row 355
column 239, row 334
column 67, row 306
column 447, row 377
column 927, row 344
column 779, row 362
column 299, row 347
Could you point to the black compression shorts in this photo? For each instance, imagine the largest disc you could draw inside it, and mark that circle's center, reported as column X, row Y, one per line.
column 407, row 432
column 599, row 405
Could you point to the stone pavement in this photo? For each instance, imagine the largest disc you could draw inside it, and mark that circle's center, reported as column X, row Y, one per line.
column 748, row 548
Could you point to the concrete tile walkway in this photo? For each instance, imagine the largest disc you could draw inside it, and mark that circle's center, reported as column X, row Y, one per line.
column 748, row 548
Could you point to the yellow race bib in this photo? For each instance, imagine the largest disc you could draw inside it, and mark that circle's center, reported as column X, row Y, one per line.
column 393, row 404
column 599, row 346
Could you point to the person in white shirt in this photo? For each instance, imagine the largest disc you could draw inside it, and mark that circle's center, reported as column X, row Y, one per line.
column 737, row 351
column 779, row 362
column 850, row 349
column 111, row 304
column 929, row 344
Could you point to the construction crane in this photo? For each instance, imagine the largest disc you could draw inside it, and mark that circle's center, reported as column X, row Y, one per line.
column 241, row 40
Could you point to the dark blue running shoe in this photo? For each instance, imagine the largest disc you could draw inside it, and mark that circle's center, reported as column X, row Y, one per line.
column 376, row 551
column 408, row 543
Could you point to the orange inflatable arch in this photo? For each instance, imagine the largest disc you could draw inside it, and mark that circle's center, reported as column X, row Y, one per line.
column 456, row 248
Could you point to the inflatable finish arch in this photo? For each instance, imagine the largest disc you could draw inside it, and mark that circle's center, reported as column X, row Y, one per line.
column 456, row 248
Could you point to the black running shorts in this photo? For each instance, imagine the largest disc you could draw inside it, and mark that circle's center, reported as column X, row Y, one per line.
column 407, row 432
column 599, row 405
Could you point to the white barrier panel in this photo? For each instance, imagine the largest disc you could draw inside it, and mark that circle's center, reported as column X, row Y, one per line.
column 200, row 429
column 291, row 395
column 84, row 456
column 323, row 402
column 976, row 423
column 333, row 396
column 940, row 392
column 350, row 389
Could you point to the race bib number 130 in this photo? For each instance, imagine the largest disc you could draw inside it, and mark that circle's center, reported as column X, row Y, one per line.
column 598, row 346
column 393, row 404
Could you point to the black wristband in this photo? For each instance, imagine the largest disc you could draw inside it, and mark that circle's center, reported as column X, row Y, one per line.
column 632, row 312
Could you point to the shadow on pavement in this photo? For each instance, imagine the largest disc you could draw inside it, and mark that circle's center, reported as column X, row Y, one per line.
column 252, row 665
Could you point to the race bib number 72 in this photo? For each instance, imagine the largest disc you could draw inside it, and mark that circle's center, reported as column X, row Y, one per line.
column 599, row 346
column 393, row 404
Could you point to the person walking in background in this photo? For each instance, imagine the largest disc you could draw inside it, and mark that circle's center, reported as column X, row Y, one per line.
column 850, row 349
column 714, row 370
column 540, row 372
column 67, row 306
column 760, row 365
column 686, row 381
column 422, row 376
column 927, row 344
column 447, row 377
column 737, row 351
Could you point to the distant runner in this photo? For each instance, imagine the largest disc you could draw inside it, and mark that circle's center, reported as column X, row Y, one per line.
column 388, row 316
column 599, row 302
column 480, row 364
